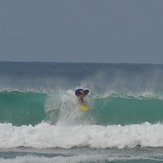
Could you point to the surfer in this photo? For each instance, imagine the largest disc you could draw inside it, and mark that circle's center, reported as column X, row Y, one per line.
column 80, row 93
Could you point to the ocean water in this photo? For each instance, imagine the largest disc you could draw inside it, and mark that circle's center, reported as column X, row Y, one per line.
column 41, row 121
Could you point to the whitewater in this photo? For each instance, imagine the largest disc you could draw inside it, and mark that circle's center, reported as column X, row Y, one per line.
column 45, row 135
column 41, row 121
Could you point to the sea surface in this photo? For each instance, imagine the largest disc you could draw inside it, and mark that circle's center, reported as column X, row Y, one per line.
column 41, row 121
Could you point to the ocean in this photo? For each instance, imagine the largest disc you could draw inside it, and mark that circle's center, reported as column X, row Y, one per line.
column 41, row 121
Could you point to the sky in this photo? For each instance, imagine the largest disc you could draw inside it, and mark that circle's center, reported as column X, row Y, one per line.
column 103, row 31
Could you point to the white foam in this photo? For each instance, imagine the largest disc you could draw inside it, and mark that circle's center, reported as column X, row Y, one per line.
column 67, row 105
column 86, row 157
column 45, row 135
column 129, row 95
column 60, row 159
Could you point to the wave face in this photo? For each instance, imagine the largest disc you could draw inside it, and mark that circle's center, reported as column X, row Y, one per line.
column 39, row 109
column 24, row 108
column 21, row 108
column 118, row 110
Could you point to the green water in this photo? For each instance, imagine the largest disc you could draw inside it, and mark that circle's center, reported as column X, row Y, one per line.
column 21, row 108
column 128, row 111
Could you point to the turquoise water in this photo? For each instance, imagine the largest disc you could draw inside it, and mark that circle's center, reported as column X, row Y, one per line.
column 21, row 108
column 128, row 110
column 24, row 108
column 41, row 121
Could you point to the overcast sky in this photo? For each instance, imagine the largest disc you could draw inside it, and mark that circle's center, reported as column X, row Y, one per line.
column 111, row 31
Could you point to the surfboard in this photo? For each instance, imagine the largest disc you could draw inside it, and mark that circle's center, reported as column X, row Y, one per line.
column 83, row 107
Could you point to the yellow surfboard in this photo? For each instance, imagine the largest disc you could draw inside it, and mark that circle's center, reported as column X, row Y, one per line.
column 83, row 107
